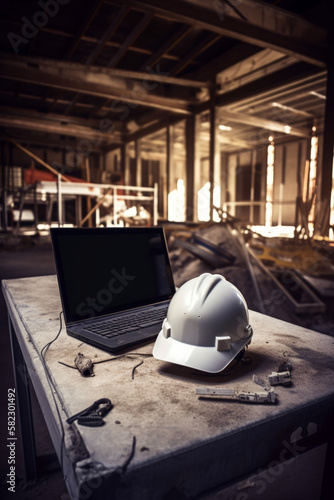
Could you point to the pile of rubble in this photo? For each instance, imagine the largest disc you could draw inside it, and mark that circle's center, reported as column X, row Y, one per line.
column 220, row 248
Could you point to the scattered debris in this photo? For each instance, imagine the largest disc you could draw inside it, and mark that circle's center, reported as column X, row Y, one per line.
column 84, row 365
column 207, row 256
column 259, row 381
column 274, row 286
column 285, row 365
column 277, row 378
column 218, row 250
column 283, row 374
column 281, row 377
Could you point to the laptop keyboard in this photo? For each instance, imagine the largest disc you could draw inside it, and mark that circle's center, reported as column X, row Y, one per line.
column 128, row 323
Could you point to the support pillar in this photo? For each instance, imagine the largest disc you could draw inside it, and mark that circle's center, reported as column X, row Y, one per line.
column 190, row 168
column 213, row 145
column 168, row 166
column 138, row 163
column 328, row 143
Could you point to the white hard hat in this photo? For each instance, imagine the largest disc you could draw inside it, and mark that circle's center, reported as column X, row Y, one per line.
column 206, row 325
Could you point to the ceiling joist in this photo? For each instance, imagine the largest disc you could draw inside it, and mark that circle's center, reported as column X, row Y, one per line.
column 113, row 76
column 275, row 29
column 256, row 121
column 144, row 64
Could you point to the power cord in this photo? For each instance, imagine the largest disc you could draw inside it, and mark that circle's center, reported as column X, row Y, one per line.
column 44, row 350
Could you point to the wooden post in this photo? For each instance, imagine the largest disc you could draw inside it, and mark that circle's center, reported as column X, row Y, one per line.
column 89, row 200
column 328, row 142
column 190, row 168
column 213, row 144
column 92, row 210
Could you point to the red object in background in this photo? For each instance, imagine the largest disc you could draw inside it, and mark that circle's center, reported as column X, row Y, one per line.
column 32, row 175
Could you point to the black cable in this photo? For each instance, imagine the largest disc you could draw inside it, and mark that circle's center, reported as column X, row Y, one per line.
column 46, row 347
column 53, row 388
column 134, row 369
column 122, row 469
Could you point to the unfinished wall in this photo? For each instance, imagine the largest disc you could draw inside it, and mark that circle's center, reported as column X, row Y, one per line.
column 243, row 185
column 288, row 164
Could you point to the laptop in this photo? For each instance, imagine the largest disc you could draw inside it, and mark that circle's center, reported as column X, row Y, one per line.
column 115, row 283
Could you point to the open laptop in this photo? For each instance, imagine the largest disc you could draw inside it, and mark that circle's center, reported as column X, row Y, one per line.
column 115, row 283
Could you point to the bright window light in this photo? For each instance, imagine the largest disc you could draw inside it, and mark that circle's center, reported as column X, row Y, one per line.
column 177, row 203
column 225, row 128
column 203, row 202
column 270, row 185
column 312, row 183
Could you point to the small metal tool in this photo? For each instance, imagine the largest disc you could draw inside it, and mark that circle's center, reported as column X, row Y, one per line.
column 276, row 378
column 245, row 397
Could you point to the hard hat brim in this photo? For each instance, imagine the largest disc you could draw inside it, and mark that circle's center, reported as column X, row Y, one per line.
column 203, row 358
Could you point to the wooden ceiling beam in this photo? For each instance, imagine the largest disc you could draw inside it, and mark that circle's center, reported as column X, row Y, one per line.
column 275, row 28
column 75, row 70
column 259, row 122
column 136, row 94
column 93, row 135
column 167, row 46
column 195, row 52
column 285, row 79
column 132, row 36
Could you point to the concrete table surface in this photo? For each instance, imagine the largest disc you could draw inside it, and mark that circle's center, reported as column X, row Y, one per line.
column 185, row 445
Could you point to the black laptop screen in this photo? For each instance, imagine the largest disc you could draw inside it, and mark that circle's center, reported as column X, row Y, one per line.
column 105, row 270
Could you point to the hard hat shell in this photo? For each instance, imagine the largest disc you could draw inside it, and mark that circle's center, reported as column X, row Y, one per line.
column 207, row 325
